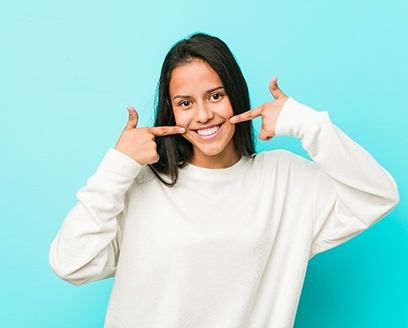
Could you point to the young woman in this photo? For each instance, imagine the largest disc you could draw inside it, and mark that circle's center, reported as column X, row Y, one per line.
column 198, row 230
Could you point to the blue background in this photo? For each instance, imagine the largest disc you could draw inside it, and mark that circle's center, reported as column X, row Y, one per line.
column 68, row 70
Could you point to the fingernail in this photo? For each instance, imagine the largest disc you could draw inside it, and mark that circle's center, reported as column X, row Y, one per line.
column 233, row 120
column 182, row 130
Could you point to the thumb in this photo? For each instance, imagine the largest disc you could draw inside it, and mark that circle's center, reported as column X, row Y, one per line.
column 133, row 118
column 274, row 89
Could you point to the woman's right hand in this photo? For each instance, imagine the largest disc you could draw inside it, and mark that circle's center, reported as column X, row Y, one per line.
column 138, row 143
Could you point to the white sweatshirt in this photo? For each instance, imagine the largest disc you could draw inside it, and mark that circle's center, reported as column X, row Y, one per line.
column 227, row 247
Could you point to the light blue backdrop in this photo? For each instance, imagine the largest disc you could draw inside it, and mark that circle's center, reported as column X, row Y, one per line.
column 68, row 70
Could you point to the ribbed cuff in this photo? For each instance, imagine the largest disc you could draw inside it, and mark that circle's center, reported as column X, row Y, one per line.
column 295, row 119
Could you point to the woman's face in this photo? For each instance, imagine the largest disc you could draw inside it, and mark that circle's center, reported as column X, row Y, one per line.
column 201, row 105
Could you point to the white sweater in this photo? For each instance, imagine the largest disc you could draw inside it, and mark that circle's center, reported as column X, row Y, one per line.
column 227, row 247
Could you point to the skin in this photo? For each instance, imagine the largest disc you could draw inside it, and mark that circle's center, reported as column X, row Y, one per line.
column 138, row 143
column 268, row 111
column 201, row 105
column 206, row 106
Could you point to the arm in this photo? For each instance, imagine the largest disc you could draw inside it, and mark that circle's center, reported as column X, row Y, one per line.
column 352, row 192
column 87, row 246
column 363, row 191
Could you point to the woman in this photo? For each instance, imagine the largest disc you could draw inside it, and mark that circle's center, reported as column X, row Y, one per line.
column 197, row 229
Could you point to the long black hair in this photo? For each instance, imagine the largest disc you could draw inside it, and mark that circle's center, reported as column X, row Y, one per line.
column 174, row 150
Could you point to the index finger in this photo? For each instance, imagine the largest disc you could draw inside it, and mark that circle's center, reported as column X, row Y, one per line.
column 246, row 116
column 160, row 131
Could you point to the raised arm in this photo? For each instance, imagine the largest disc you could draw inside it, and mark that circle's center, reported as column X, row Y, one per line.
column 362, row 191
column 87, row 246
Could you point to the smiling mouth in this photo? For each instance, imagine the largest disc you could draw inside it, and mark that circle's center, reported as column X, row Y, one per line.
column 208, row 131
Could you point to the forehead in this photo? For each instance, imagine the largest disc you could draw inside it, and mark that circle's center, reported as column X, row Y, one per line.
column 193, row 77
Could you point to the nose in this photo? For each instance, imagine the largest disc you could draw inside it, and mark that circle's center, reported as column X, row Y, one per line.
column 203, row 113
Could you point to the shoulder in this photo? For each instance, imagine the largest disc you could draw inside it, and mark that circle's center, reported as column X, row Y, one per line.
column 283, row 161
column 144, row 181
column 145, row 175
column 281, row 157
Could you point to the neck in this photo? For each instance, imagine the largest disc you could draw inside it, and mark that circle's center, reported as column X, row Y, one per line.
column 220, row 161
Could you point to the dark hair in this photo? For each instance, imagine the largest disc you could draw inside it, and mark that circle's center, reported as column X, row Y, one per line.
column 175, row 151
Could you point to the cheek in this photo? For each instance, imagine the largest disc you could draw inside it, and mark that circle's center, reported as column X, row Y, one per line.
column 226, row 110
column 181, row 118
column 231, row 128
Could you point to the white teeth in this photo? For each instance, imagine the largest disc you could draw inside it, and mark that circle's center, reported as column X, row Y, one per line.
column 208, row 132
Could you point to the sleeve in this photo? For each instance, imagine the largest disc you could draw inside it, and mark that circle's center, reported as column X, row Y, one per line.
column 352, row 191
column 87, row 246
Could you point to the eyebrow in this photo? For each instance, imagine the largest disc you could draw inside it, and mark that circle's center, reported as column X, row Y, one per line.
column 208, row 91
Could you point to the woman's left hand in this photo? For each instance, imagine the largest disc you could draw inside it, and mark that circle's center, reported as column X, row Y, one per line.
column 269, row 111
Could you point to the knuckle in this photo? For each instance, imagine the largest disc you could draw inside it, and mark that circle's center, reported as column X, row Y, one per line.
column 163, row 131
column 149, row 133
column 248, row 114
column 155, row 158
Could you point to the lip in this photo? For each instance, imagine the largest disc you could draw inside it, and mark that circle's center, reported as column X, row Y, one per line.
column 210, row 136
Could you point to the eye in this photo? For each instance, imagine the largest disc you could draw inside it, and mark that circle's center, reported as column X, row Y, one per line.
column 184, row 103
column 216, row 96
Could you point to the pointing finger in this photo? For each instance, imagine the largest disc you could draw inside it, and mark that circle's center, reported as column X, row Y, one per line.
column 160, row 131
column 133, row 118
column 246, row 116
column 275, row 90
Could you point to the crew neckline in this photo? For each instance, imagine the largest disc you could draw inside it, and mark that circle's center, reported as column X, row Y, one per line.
column 193, row 171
